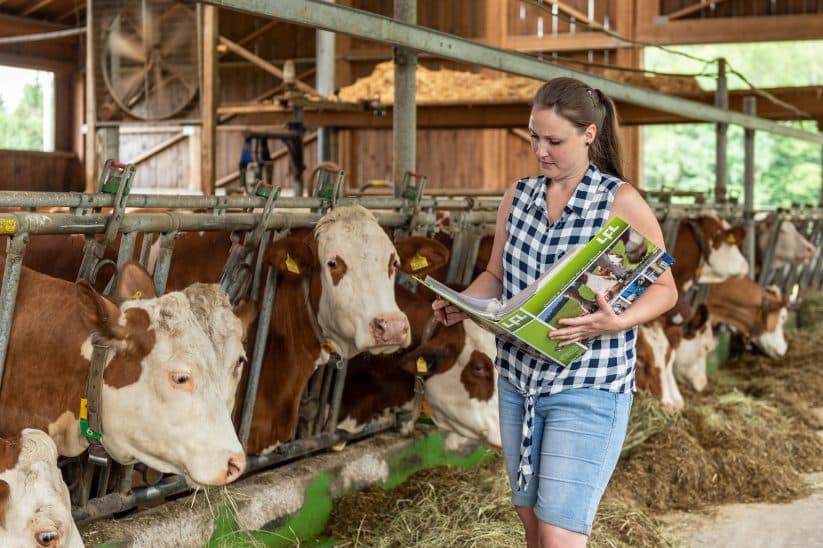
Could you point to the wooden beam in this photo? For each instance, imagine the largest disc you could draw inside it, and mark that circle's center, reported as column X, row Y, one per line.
column 688, row 10
column 76, row 9
column 512, row 113
column 36, row 63
column 271, row 92
column 36, row 7
column 158, row 148
column 565, row 42
column 249, row 37
column 733, row 29
column 265, row 65
column 12, row 25
column 208, row 101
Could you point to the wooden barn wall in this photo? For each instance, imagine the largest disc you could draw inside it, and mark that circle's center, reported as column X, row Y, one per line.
column 40, row 171
column 167, row 170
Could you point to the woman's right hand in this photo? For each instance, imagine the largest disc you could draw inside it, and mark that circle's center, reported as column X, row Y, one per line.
column 446, row 313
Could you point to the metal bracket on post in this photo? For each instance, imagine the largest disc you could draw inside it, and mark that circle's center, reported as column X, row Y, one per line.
column 327, row 187
column 237, row 278
column 412, row 191
column 116, row 179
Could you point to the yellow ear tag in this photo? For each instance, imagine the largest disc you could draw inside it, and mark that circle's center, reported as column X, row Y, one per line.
column 731, row 240
column 84, row 408
column 418, row 261
column 291, row 266
column 329, row 347
column 422, row 366
column 698, row 271
column 137, row 296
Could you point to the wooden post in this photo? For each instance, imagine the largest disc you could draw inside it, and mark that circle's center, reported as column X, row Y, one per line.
column 630, row 136
column 494, row 141
column 195, row 146
column 208, row 94
column 90, row 155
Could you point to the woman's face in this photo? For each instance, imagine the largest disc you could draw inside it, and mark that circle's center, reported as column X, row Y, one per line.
column 559, row 146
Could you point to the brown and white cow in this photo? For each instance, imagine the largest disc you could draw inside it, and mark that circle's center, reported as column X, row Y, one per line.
column 696, row 342
column 654, row 369
column 169, row 382
column 460, row 385
column 35, row 510
column 791, row 246
column 706, row 252
column 756, row 313
column 345, row 269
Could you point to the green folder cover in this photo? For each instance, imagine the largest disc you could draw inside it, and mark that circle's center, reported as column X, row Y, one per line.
column 618, row 262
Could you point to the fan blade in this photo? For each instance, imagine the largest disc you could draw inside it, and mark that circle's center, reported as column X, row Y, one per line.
column 178, row 39
column 127, row 47
column 130, row 85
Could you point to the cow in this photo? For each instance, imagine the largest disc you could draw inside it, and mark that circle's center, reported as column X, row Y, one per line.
column 756, row 313
column 696, row 342
column 335, row 293
column 706, row 252
column 170, row 375
column 459, row 385
column 35, row 509
column 60, row 256
column 791, row 246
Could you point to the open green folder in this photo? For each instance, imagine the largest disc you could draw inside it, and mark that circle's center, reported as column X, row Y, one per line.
column 618, row 262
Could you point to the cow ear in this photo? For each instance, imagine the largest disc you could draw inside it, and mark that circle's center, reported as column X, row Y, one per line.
column 134, row 282
column 738, row 233
column 246, row 311
column 99, row 314
column 420, row 255
column 291, row 257
column 5, row 495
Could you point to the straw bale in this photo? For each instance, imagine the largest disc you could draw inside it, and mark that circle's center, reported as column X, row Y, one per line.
column 445, row 85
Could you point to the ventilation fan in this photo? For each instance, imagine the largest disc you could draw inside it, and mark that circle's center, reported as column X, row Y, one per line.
column 149, row 63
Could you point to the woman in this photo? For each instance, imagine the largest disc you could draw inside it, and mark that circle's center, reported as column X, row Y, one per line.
column 563, row 427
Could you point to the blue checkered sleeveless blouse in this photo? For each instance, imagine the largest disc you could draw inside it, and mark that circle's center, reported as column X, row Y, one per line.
column 532, row 246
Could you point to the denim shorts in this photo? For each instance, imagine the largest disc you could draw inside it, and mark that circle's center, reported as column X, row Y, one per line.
column 578, row 435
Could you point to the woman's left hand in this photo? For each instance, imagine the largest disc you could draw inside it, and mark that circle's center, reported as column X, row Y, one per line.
column 588, row 326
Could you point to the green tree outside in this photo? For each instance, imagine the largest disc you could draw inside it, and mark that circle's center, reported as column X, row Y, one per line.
column 22, row 129
column 682, row 156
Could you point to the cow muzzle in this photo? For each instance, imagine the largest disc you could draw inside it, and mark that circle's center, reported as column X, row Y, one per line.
column 235, row 467
column 390, row 330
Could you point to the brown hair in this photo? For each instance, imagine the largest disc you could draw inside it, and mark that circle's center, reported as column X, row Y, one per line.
column 582, row 106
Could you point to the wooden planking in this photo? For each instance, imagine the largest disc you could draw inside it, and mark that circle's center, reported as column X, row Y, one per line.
column 40, row 171
column 167, row 170
column 728, row 30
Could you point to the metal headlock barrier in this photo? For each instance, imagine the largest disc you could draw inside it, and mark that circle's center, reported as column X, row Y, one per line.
column 254, row 221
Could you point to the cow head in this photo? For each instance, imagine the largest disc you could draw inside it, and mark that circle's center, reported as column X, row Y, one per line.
column 655, row 362
column 169, row 387
column 356, row 264
column 756, row 313
column 768, row 334
column 791, row 247
column 35, row 509
column 696, row 343
column 462, row 397
column 722, row 257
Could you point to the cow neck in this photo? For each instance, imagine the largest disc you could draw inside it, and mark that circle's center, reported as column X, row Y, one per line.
column 700, row 240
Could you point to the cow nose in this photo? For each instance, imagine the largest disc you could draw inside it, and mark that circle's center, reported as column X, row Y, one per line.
column 389, row 329
column 236, row 467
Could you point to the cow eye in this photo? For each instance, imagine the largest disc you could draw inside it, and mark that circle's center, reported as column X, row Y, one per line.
column 397, row 263
column 181, row 380
column 241, row 362
column 332, row 263
column 47, row 538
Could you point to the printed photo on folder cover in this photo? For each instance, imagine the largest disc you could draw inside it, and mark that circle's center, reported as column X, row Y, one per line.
column 618, row 262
